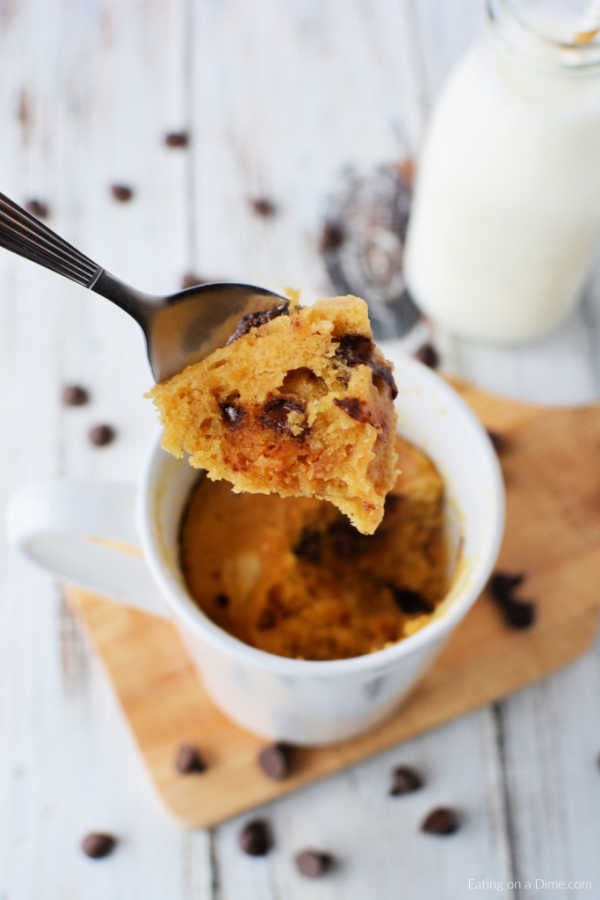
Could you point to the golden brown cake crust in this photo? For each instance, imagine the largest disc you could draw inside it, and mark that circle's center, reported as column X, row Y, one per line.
column 294, row 578
column 299, row 405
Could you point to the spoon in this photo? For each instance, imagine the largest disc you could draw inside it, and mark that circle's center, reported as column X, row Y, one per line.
column 179, row 328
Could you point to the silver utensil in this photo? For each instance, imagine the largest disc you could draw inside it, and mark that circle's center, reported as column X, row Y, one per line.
column 180, row 328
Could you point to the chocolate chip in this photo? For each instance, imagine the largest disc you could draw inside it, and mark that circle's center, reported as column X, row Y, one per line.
column 177, row 139
column 309, row 546
column 383, row 373
column 313, row 863
column 502, row 585
column 358, row 349
column 332, row 236
column 428, row 355
column 519, row 614
column 442, row 820
column 74, row 395
column 266, row 620
column 355, row 408
column 101, row 435
column 355, row 349
column 222, row 600
column 256, row 319
column 275, row 761
column 263, row 206
column 188, row 759
column 122, row 193
column 410, row 602
column 255, row 838
column 404, row 781
column 98, row 844
column 232, row 413
column 275, row 414
column 37, row 208
column 191, row 279
column 498, row 440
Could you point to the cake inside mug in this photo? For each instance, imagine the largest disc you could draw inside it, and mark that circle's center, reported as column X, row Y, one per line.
column 299, row 403
column 293, row 577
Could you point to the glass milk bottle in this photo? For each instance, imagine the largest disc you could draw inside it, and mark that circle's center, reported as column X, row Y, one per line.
column 506, row 216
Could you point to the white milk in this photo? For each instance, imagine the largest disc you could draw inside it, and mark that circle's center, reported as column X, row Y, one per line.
column 507, row 208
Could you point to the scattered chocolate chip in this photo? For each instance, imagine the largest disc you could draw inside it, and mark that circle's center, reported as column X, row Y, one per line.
column 332, row 236
column 177, row 139
column 38, row 208
column 498, row 440
column 355, row 408
column 355, row 349
column 232, row 413
column 97, row 844
column 256, row 319
column 188, row 759
column 428, row 355
column 101, row 435
column 263, row 206
column 74, row 395
column 122, row 193
column 404, row 781
column 313, row 863
column 276, row 760
column 502, row 585
column 222, row 600
column 383, row 372
column 255, row 838
column 441, row 820
column 309, row 546
column 275, row 414
column 191, row 279
column 410, row 602
column 519, row 614
column 266, row 620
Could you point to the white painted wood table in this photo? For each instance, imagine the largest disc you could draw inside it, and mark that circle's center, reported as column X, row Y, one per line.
column 279, row 96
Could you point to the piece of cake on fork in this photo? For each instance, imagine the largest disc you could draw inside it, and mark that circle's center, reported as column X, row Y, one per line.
column 300, row 402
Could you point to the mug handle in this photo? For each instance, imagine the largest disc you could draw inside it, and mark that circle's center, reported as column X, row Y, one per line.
column 72, row 529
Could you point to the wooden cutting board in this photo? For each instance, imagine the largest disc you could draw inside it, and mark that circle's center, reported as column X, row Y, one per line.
column 551, row 465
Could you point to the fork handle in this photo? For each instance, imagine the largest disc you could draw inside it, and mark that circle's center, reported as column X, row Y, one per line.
column 23, row 234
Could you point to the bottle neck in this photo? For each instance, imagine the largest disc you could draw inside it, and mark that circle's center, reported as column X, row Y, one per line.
column 540, row 34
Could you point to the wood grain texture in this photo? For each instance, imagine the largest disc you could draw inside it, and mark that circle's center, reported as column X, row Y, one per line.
column 339, row 81
column 552, row 533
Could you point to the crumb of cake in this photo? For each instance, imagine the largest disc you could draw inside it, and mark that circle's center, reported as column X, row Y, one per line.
column 299, row 403
column 301, row 582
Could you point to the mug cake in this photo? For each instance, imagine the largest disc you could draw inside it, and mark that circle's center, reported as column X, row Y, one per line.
column 293, row 577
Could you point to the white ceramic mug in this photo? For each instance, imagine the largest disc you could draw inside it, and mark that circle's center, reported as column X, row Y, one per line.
column 304, row 702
